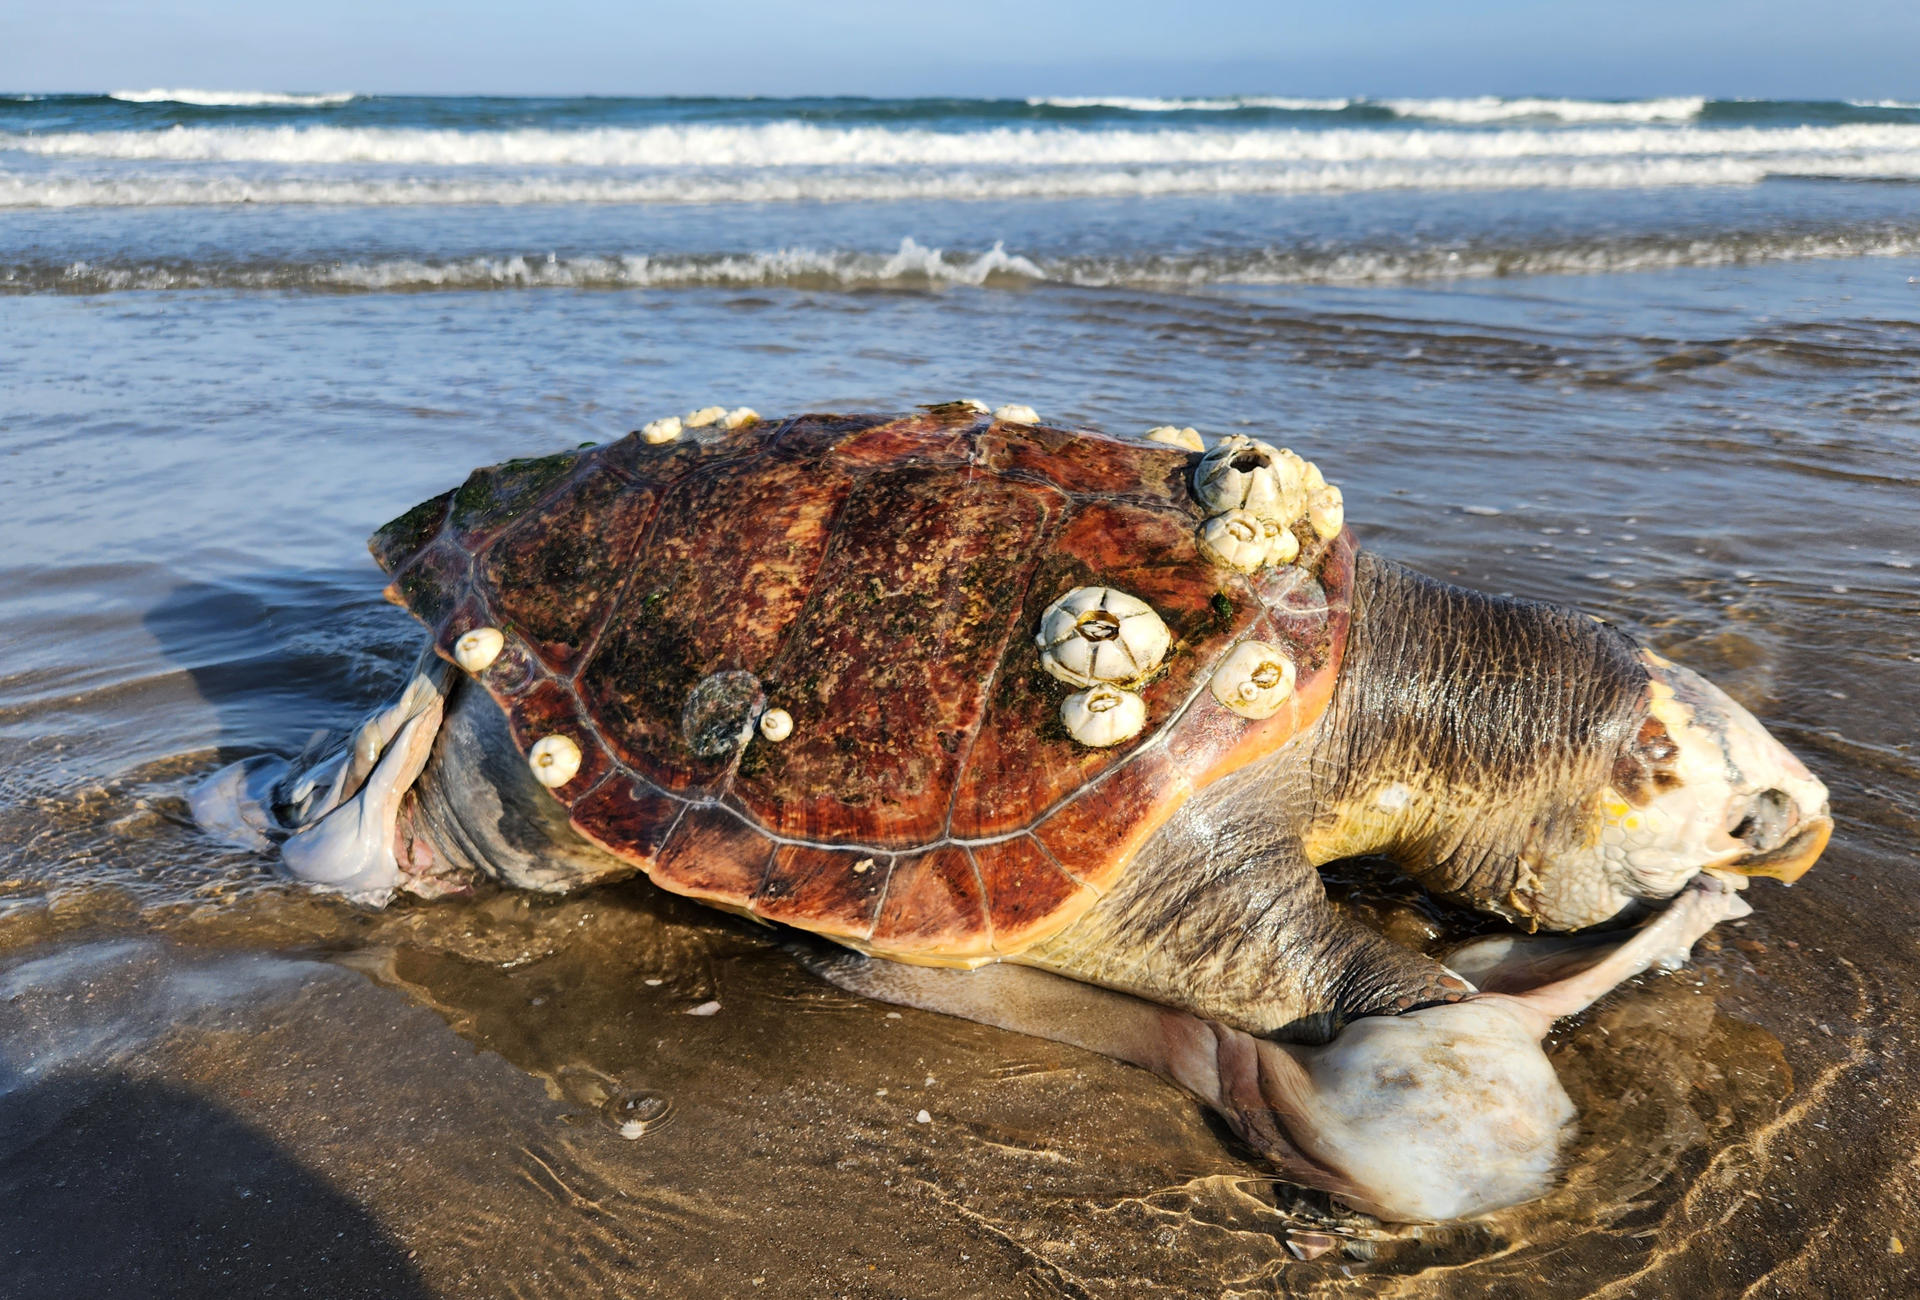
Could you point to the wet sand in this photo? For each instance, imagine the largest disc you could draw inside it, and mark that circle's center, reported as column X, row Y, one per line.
column 212, row 1084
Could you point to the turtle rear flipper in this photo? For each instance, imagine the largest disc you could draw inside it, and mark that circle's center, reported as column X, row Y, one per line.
column 1439, row 1113
column 1226, row 1069
column 337, row 820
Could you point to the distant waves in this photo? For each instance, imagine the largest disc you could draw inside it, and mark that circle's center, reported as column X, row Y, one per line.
column 802, row 161
column 805, row 144
column 1482, row 108
column 231, row 98
column 915, row 266
column 179, row 189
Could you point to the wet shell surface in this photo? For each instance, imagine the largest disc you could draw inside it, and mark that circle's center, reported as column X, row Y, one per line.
column 659, row 431
column 937, row 795
column 1015, row 413
column 1103, row 715
column 1254, row 680
column 705, row 416
column 1243, row 473
column 1099, row 634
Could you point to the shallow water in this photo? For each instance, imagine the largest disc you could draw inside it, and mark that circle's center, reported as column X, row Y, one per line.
column 504, row 1095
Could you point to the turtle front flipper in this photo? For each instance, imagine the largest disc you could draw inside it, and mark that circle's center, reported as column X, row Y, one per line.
column 1236, row 927
column 1377, row 977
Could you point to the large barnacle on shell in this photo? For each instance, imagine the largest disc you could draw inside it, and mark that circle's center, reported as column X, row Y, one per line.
column 1243, row 473
column 1327, row 511
column 1234, row 539
column 1100, row 634
column 1282, row 546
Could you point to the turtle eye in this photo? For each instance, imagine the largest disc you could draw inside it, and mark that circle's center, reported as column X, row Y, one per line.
column 1654, row 744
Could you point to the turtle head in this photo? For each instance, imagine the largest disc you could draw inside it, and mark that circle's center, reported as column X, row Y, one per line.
column 1534, row 762
column 1699, row 785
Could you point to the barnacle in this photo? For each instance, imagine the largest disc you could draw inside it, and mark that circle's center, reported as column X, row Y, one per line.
column 1254, row 680
column 1101, row 634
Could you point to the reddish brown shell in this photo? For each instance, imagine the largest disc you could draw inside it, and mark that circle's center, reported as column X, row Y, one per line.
column 881, row 579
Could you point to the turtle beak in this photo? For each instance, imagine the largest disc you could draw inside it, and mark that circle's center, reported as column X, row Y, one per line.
column 1796, row 840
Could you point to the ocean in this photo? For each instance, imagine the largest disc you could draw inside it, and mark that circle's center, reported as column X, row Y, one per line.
column 1656, row 358
column 183, row 189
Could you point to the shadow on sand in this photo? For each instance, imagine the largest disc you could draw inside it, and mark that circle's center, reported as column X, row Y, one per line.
column 114, row 1186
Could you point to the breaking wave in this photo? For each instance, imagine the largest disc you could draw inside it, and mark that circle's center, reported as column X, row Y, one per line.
column 1481, row 108
column 1492, row 108
column 1228, row 104
column 916, row 266
column 803, row 144
column 797, row 185
column 231, row 98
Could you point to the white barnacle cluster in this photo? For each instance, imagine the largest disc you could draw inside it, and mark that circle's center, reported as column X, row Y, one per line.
column 1256, row 493
column 671, row 427
column 1107, row 642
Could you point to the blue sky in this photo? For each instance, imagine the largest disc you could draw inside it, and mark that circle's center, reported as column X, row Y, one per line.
column 1762, row 48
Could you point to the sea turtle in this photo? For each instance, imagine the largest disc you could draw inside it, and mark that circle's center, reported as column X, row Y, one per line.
column 958, row 688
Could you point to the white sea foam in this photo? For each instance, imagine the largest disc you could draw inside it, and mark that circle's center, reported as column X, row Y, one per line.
column 1148, row 104
column 913, row 265
column 802, row 144
column 231, row 98
column 1493, row 108
column 910, row 264
column 800, row 185
column 799, row 161
column 1478, row 109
